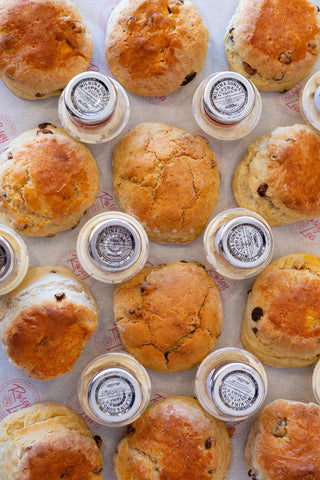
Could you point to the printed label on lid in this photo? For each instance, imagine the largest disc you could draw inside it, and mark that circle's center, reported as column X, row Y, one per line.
column 238, row 390
column 228, row 96
column 115, row 395
column 246, row 242
column 115, row 244
column 90, row 96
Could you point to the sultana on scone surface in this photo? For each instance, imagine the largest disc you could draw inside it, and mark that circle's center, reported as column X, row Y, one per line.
column 154, row 47
column 167, row 178
column 284, row 442
column 48, row 441
column 43, row 44
column 273, row 43
column 169, row 317
column 174, row 439
column 281, row 321
column 279, row 177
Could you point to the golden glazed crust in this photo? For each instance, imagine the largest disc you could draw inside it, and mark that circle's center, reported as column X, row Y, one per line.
column 48, row 441
column 47, row 181
column 284, row 442
column 46, row 322
column 275, row 43
column 281, row 322
column 169, row 317
column 174, row 439
column 43, row 44
column 154, row 47
column 280, row 175
column 168, row 179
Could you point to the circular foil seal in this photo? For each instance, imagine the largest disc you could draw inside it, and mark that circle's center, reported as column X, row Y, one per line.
column 114, row 395
column 244, row 242
column 90, row 98
column 228, row 97
column 236, row 389
column 114, row 245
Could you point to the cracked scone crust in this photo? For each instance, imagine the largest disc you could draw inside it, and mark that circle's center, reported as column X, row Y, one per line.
column 155, row 47
column 281, row 321
column 284, row 442
column 169, row 317
column 48, row 441
column 43, row 45
column 168, row 179
column 280, row 175
column 46, row 321
column 47, row 181
column 273, row 43
column 174, row 439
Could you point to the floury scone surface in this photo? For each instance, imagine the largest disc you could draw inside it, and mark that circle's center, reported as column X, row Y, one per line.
column 17, row 116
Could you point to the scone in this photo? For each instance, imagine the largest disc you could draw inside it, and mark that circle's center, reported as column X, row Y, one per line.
column 279, row 177
column 284, row 442
column 169, row 317
column 168, row 179
column 274, row 43
column 46, row 321
column 48, row 441
column 43, row 44
column 47, row 181
column 154, row 47
column 281, row 322
column 174, row 438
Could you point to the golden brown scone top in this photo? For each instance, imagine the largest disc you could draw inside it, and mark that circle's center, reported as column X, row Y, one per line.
column 286, row 444
column 277, row 37
column 169, row 316
column 177, row 439
column 294, row 169
column 280, row 176
column 282, row 316
column 48, row 441
column 47, row 181
column 47, row 321
column 47, row 339
column 155, row 47
column 43, row 44
column 167, row 178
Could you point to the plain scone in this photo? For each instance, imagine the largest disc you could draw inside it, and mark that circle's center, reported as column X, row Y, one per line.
column 174, row 439
column 46, row 321
column 154, row 47
column 281, row 321
column 274, row 43
column 279, row 177
column 284, row 442
column 168, row 179
column 47, row 181
column 48, row 441
column 43, row 44
column 169, row 317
